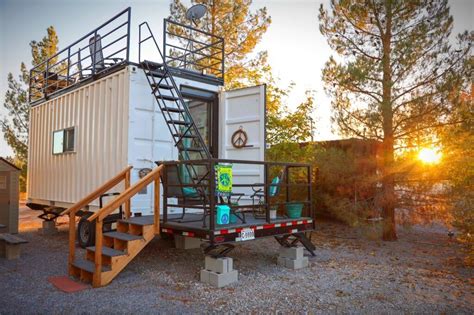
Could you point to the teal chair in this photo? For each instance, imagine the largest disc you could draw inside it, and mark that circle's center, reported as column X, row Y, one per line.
column 258, row 197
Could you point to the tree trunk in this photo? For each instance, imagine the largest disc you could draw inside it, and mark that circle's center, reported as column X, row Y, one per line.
column 389, row 198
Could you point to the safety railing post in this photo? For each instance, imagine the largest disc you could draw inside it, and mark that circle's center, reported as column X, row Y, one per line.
column 72, row 239
column 157, row 204
column 96, row 281
column 267, row 195
column 127, row 203
column 212, row 193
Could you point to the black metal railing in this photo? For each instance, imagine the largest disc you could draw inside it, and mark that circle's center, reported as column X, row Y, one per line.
column 295, row 186
column 99, row 51
column 185, row 47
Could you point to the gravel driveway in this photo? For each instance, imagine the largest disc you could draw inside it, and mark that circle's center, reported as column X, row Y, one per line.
column 421, row 273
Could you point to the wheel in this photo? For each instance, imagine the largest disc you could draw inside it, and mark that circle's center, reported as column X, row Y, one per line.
column 86, row 232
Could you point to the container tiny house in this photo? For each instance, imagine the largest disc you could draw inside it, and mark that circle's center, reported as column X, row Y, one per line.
column 88, row 124
column 100, row 120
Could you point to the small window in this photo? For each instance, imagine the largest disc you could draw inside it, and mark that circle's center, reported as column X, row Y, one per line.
column 63, row 140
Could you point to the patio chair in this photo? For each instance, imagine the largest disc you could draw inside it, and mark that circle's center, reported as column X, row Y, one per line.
column 187, row 196
column 97, row 55
column 258, row 197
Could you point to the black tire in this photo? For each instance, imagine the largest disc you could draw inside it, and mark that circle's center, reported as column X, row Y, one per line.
column 86, row 232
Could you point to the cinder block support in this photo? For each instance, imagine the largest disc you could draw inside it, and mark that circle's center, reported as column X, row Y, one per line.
column 12, row 251
column 219, row 272
column 292, row 258
column 49, row 228
column 184, row 242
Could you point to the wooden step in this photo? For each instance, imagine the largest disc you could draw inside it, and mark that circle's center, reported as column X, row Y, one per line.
column 123, row 236
column 107, row 251
column 87, row 265
column 143, row 220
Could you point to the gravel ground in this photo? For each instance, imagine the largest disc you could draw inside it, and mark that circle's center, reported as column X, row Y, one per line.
column 421, row 273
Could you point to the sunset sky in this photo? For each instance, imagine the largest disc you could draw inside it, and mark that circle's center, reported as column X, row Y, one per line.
column 297, row 50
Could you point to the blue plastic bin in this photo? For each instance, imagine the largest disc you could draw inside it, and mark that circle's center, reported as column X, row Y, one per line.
column 223, row 214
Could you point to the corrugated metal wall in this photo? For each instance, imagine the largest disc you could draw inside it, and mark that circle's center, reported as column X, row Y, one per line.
column 99, row 111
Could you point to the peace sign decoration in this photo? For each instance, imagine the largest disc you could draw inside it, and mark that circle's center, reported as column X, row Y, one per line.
column 239, row 138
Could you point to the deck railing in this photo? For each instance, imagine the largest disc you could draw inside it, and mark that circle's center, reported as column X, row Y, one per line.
column 188, row 48
column 296, row 186
column 99, row 51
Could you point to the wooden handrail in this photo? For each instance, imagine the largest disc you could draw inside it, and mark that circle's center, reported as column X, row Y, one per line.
column 123, row 175
column 99, row 191
column 126, row 195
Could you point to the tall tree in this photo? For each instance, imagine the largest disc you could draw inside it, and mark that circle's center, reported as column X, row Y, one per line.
column 241, row 29
column 390, row 80
column 16, row 123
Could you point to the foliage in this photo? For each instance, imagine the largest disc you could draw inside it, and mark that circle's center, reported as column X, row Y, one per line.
column 396, row 71
column 241, row 29
column 340, row 190
column 16, row 123
column 459, row 168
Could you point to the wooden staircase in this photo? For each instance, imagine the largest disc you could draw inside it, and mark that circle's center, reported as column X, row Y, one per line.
column 113, row 251
column 119, row 248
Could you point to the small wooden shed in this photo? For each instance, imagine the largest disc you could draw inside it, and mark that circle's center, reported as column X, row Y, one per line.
column 9, row 196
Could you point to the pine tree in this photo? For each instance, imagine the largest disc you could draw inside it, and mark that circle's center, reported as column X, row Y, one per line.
column 394, row 71
column 15, row 124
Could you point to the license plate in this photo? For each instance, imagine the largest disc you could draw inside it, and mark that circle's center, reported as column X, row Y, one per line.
column 247, row 234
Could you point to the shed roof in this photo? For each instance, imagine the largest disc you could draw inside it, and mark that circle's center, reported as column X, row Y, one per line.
column 2, row 160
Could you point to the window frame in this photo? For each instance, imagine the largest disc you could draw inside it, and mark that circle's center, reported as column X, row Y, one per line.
column 64, row 145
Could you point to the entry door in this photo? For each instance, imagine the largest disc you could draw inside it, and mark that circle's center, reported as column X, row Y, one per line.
column 242, row 115
column 4, row 198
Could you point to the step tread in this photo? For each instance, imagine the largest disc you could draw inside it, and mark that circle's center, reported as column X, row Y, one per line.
column 87, row 265
column 195, row 149
column 143, row 220
column 167, row 97
column 152, row 64
column 162, row 86
column 123, row 236
column 179, row 135
column 173, row 110
column 107, row 251
column 178, row 122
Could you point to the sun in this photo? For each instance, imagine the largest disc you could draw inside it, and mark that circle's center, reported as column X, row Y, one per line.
column 429, row 155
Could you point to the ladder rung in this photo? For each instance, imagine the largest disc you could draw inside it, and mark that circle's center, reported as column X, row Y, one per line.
column 156, row 73
column 167, row 97
column 192, row 149
column 178, row 122
column 152, row 64
column 161, row 86
column 188, row 135
column 173, row 110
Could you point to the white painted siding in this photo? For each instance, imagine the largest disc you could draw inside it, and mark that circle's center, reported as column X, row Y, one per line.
column 99, row 112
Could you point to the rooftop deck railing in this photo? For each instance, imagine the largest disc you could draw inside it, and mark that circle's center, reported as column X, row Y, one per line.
column 296, row 186
column 188, row 48
column 99, row 51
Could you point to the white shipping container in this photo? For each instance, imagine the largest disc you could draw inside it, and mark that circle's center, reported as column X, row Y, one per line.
column 116, row 122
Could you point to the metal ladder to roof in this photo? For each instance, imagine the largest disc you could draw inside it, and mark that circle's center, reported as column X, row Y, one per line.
column 181, row 125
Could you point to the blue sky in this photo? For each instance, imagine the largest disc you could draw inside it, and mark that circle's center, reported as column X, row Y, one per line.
column 294, row 28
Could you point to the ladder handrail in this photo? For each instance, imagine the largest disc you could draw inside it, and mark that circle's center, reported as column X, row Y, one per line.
column 171, row 79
